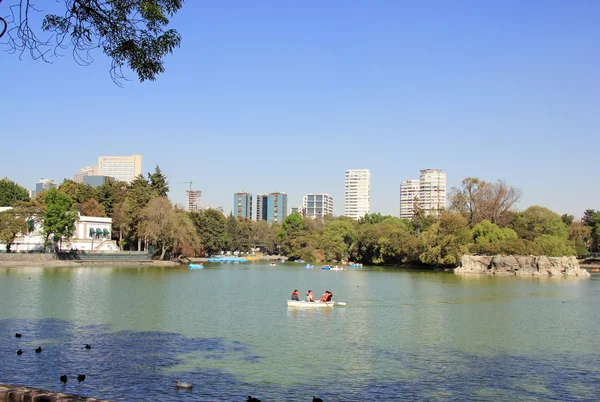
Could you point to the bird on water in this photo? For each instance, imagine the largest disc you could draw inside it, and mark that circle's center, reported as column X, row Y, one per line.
column 181, row 384
column 315, row 399
column 251, row 399
column 38, row 350
column 88, row 347
column 80, row 378
column 63, row 379
column 17, row 335
column 19, row 352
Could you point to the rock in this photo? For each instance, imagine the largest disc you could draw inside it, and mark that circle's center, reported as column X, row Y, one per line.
column 520, row 265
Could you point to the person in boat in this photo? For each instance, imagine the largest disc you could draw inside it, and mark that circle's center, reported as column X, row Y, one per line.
column 330, row 296
column 325, row 297
column 295, row 295
column 309, row 296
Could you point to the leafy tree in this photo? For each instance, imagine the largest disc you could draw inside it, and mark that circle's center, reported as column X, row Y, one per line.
column 138, row 196
column 60, row 217
column 92, row 208
column 79, row 193
column 486, row 232
column 243, row 236
column 158, row 224
column 185, row 238
column 554, row 246
column 11, row 225
column 591, row 218
column 567, row 219
column 581, row 236
column 111, row 194
column 11, row 192
column 158, row 183
column 261, row 233
column 130, row 32
column 446, row 241
column 336, row 238
column 210, row 226
column 536, row 221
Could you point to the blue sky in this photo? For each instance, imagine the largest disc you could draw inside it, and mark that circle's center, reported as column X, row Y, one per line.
column 286, row 95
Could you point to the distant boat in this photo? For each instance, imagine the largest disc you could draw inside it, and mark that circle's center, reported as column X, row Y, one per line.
column 308, row 266
column 196, row 266
column 227, row 259
column 272, row 264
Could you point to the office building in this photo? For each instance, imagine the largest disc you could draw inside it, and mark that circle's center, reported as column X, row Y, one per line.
column 262, row 201
column 121, row 168
column 317, row 205
column 277, row 207
column 193, row 200
column 242, row 205
column 357, row 194
column 409, row 193
column 85, row 171
column 43, row 184
column 299, row 210
column 431, row 194
column 96, row 181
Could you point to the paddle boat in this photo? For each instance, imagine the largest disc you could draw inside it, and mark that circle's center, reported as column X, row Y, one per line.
column 272, row 264
column 305, row 304
column 308, row 266
column 355, row 265
column 196, row 266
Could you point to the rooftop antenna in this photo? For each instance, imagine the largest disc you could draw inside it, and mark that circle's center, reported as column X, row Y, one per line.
column 190, row 182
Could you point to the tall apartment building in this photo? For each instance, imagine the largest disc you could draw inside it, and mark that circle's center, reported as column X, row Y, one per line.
column 121, row 168
column 357, row 194
column 299, row 210
column 85, row 171
column 431, row 195
column 409, row 190
column 277, row 207
column 193, row 200
column 262, row 202
column 317, row 205
column 242, row 205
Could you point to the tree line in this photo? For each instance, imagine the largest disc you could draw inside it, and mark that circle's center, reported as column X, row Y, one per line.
column 480, row 219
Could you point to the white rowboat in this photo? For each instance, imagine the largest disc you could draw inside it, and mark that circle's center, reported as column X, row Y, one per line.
column 305, row 304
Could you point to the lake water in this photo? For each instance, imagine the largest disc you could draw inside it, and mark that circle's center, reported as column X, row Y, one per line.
column 404, row 335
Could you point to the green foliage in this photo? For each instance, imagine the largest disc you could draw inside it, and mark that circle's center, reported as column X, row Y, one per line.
column 486, row 232
column 79, row 193
column 11, row 225
column 210, row 225
column 446, row 241
column 11, row 192
column 567, row 219
column 59, row 220
column 554, row 246
column 92, row 208
column 536, row 221
column 158, row 183
column 591, row 218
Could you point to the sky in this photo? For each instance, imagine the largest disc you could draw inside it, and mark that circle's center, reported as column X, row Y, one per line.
column 285, row 95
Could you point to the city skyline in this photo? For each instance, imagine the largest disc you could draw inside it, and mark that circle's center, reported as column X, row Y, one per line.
column 291, row 96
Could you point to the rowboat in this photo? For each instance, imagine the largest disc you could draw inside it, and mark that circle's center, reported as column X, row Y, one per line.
column 305, row 304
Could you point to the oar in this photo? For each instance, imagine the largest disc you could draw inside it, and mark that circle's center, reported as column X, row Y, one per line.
column 339, row 303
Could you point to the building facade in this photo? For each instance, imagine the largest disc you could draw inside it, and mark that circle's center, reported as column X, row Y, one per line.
column 262, row 203
column 277, row 207
column 242, row 205
column 317, row 205
column 193, row 200
column 85, row 171
column 357, row 193
column 43, row 184
column 431, row 195
column 96, row 181
column 121, row 168
column 409, row 193
column 299, row 210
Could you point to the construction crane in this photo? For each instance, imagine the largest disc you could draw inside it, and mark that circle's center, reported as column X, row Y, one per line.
column 186, row 182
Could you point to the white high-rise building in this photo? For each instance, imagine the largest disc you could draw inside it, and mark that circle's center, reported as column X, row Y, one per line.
column 317, row 205
column 120, row 168
column 85, row 171
column 193, row 200
column 409, row 190
column 357, row 194
column 430, row 189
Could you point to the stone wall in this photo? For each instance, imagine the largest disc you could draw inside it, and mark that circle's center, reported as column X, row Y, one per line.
column 34, row 257
column 520, row 265
column 10, row 393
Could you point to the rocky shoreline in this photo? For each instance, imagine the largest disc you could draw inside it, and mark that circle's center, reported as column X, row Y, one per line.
column 521, row 266
column 10, row 393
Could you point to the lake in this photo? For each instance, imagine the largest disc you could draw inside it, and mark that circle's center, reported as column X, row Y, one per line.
column 404, row 334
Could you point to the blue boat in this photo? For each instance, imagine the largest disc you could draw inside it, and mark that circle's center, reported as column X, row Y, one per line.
column 326, row 267
column 308, row 266
column 196, row 266
column 227, row 259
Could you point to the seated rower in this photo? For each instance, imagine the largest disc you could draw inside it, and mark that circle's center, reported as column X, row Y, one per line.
column 309, row 296
column 295, row 295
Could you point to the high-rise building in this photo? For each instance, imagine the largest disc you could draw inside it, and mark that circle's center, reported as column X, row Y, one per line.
column 262, row 201
column 299, row 210
column 277, row 207
column 43, row 184
column 242, row 205
column 431, row 194
column 96, row 181
column 357, row 194
column 432, row 190
column 317, row 205
column 85, row 171
column 193, row 200
column 121, row 168
column 409, row 191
